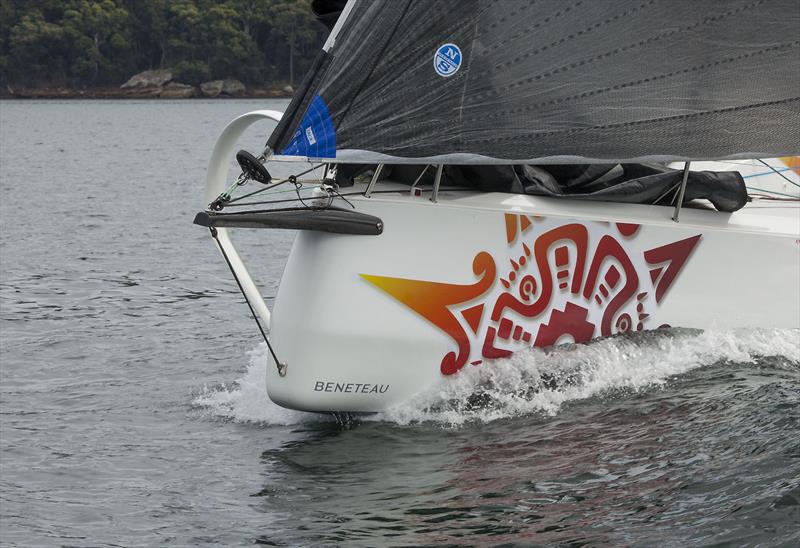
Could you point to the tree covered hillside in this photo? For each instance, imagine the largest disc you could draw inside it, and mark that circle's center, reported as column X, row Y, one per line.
column 85, row 43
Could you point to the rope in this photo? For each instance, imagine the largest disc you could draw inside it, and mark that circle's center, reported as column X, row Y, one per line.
column 281, row 368
column 791, row 196
column 225, row 199
column 778, row 172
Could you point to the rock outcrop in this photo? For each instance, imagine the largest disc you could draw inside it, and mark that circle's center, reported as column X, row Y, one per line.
column 226, row 88
column 234, row 88
column 148, row 79
column 174, row 90
column 211, row 89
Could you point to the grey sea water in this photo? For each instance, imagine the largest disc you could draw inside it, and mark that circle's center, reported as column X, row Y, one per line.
column 134, row 411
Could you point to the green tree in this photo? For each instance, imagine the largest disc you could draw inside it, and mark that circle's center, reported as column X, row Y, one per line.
column 104, row 42
column 150, row 30
column 292, row 23
column 7, row 16
column 100, row 40
column 38, row 47
column 186, row 32
column 233, row 52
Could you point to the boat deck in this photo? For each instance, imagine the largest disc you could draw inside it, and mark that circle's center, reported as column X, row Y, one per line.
column 761, row 215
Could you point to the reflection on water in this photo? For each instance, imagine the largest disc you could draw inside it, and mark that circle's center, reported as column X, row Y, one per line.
column 684, row 460
column 134, row 410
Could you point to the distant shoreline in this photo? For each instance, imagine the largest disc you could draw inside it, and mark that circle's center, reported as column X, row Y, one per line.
column 21, row 93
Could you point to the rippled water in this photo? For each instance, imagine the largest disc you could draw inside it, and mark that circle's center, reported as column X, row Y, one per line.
column 134, row 410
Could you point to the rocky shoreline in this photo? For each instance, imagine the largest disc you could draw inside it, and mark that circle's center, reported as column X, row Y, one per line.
column 152, row 84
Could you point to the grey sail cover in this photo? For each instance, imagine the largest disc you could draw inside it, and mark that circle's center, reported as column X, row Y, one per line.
column 551, row 81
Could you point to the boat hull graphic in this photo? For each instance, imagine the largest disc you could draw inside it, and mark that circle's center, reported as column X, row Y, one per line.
column 367, row 322
column 554, row 289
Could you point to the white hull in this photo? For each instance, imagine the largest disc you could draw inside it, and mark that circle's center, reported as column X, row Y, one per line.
column 365, row 322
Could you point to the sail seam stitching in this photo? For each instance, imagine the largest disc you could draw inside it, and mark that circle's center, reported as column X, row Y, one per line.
column 372, row 69
column 634, row 83
column 608, row 54
column 649, row 121
column 530, row 29
column 572, row 36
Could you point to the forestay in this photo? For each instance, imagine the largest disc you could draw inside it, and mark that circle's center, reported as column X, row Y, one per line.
column 551, row 81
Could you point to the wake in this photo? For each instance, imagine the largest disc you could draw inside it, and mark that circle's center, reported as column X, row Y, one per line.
column 531, row 381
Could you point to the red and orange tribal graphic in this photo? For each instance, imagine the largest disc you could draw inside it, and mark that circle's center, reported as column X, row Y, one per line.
column 558, row 286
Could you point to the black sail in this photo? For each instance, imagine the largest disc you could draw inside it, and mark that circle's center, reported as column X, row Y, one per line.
column 551, row 81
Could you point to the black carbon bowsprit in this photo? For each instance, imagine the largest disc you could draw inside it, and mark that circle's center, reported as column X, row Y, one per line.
column 333, row 220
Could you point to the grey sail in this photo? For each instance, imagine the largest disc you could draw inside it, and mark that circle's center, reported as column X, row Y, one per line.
column 551, row 81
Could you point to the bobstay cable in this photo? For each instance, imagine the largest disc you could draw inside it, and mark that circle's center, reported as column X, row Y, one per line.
column 281, row 367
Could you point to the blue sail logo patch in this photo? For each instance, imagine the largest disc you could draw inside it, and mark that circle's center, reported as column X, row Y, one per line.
column 315, row 136
column 447, row 60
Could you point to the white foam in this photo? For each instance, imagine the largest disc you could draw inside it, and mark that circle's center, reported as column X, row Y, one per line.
column 538, row 381
column 247, row 399
column 533, row 381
